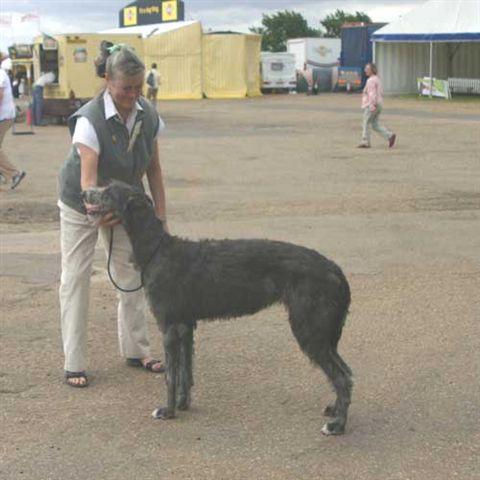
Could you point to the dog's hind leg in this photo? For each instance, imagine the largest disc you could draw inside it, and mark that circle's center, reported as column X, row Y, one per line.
column 185, row 373
column 339, row 375
column 171, row 345
column 335, row 409
column 317, row 330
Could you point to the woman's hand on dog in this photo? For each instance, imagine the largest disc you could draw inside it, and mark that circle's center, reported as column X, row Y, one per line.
column 101, row 219
column 108, row 220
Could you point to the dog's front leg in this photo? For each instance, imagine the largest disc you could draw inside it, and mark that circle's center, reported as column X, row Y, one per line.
column 185, row 372
column 171, row 345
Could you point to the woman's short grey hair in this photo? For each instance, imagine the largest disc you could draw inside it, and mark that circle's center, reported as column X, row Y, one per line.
column 118, row 60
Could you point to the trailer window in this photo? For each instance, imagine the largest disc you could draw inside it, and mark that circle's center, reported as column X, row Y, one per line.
column 49, row 61
column 277, row 66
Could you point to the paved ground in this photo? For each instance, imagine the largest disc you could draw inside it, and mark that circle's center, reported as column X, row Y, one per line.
column 403, row 223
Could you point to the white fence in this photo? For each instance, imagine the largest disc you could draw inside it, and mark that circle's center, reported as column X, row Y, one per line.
column 464, row 85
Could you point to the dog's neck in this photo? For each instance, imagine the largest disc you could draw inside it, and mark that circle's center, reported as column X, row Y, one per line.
column 146, row 233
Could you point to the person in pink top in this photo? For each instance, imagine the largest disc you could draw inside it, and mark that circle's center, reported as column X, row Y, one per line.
column 372, row 105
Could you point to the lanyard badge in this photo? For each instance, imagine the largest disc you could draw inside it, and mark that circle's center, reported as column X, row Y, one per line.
column 136, row 132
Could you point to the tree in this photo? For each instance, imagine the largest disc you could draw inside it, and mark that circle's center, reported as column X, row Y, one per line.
column 333, row 22
column 279, row 27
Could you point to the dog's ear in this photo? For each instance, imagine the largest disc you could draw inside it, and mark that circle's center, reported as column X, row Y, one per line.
column 138, row 200
column 132, row 201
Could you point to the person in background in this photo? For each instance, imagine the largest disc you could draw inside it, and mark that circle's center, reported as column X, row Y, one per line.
column 153, row 82
column 22, row 91
column 11, row 77
column 114, row 137
column 372, row 105
column 307, row 74
column 16, row 85
column 37, row 94
column 8, row 171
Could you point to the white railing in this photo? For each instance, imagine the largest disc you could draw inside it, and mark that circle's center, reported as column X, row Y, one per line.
column 464, row 85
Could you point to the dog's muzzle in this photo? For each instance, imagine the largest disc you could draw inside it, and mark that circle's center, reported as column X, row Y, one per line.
column 91, row 197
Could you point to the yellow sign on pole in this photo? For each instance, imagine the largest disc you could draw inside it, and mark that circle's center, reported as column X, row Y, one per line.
column 169, row 11
column 130, row 16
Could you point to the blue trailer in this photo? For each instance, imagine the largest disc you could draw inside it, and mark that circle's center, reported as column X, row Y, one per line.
column 356, row 53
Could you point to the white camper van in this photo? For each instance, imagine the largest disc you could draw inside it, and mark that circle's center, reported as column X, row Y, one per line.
column 278, row 71
column 315, row 52
column 317, row 60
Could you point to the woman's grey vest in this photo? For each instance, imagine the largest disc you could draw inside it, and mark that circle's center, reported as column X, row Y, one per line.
column 116, row 161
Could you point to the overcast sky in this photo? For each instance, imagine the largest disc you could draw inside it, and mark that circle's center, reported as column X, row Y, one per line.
column 69, row 16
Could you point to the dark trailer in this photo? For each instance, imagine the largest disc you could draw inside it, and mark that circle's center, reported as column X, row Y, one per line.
column 356, row 53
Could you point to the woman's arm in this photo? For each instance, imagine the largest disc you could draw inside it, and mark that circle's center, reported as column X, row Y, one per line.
column 88, row 179
column 88, row 166
column 155, row 182
column 374, row 93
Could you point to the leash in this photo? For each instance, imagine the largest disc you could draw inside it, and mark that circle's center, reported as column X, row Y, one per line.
column 126, row 290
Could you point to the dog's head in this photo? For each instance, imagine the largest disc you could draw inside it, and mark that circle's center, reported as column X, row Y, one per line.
column 117, row 197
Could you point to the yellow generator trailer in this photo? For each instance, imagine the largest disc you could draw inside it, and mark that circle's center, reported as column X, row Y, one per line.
column 71, row 58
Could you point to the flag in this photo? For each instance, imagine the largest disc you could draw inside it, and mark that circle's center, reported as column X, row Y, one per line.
column 169, row 11
column 130, row 16
column 5, row 19
column 30, row 17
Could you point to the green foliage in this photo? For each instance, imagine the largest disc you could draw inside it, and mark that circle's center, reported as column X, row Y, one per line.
column 333, row 22
column 279, row 27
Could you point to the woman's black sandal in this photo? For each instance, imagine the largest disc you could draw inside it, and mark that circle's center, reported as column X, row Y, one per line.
column 137, row 362
column 69, row 375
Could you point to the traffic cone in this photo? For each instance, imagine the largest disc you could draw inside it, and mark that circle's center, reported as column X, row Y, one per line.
column 30, row 114
column 28, row 121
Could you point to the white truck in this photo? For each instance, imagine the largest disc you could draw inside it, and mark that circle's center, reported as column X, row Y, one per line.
column 278, row 71
column 317, row 60
column 315, row 52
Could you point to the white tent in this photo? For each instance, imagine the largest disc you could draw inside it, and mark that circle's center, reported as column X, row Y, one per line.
column 147, row 31
column 438, row 39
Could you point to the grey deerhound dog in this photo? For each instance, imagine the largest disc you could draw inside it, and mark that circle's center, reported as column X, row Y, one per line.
column 186, row 281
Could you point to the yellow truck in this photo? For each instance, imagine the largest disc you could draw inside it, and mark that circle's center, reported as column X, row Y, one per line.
column 71, row 58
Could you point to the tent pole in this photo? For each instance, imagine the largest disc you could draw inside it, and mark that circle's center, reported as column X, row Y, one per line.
column 431, row 69
column 374, row 44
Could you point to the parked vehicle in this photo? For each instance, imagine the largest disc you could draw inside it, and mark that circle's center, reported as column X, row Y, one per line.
column 356, row 52
column 315, row 52
column 278, row 71
column 316, row 61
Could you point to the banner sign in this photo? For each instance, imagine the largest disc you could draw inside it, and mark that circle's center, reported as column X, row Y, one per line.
column 80, row 55
column 170, row 11
column 439, row 88
column 130, row 17
column 148, row 12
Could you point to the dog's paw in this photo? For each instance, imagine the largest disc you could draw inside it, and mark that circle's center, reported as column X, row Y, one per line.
column 333, row 428
column 163, row 413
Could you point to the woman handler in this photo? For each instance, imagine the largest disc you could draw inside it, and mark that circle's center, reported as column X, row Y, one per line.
column 114, row 136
